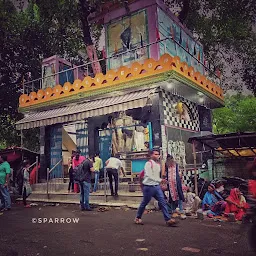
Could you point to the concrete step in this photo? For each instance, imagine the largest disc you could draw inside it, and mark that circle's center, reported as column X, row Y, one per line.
column 127, row 178
column 59, row 196
column 58, row 187
column 131, row 200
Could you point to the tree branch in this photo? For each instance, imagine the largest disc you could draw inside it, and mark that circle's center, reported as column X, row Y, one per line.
column 84, row 11
column 184, row 12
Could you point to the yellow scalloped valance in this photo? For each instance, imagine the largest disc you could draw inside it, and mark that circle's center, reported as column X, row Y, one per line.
column 123, row 75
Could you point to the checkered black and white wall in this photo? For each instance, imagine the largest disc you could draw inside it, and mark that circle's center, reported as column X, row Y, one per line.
column 186, row 177
column 170, row 112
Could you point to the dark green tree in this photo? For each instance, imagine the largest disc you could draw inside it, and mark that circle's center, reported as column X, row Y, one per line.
column 27, row 36
column 238, row 115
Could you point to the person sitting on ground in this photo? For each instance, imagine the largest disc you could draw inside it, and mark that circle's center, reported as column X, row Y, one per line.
column 220, row 189
column 236, row 204
column 213, row 203
column 192, row 202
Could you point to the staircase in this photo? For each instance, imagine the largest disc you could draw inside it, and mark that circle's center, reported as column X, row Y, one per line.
column 58, row 193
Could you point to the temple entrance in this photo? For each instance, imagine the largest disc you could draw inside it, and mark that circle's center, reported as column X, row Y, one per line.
column 74, row 137
column 128, row 138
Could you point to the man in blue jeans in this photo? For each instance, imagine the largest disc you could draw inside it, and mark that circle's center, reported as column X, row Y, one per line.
column 85, row 185
column 98, row 165
column 151, row 188
column 5, row 171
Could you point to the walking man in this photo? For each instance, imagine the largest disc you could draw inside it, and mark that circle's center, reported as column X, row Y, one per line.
column 5, row 171
column 113, row 165
column 98, row 165
column 151, row 188
column 85, row 184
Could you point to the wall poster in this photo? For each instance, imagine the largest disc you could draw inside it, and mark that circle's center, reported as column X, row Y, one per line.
column 48, row 77
column 126, row 34
column 167, row 27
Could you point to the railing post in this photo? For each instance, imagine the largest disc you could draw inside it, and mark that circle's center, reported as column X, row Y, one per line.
column 47, row 184
column 36, row 169
column 118, row 173
column 195, row 168
column 105, row 184
column 63, row 173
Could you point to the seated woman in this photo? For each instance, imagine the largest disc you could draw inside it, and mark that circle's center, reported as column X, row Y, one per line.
column 236, row 204
column 192, row 202
column 213, row 203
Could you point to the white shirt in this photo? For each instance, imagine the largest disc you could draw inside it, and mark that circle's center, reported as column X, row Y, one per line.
column 152, row 173
column 114, row 163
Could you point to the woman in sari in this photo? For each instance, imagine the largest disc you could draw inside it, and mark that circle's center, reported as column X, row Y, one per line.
column 236, row 204
column 213, row 203
column 176, row 197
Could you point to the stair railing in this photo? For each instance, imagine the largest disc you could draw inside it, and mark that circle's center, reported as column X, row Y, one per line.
column 35, row 164
column 49, row 171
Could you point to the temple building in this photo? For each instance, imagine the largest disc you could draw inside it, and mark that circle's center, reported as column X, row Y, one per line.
column 156, row 92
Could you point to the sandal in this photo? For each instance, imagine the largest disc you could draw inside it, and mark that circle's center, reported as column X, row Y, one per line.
column 138, row 221
column 175, row 215
column 171, row 222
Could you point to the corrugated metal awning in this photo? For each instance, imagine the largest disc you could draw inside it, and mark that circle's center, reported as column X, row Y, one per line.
column 81, row 111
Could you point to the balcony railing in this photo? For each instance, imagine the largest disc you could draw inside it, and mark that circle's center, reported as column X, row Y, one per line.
column 37, row 84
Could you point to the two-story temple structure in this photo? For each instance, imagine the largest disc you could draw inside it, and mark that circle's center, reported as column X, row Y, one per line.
column 156, row 92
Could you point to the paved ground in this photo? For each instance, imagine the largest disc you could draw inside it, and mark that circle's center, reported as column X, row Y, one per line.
column 113, row 233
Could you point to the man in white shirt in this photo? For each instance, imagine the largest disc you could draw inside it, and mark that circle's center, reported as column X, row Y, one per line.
column 113, row 165
column 151, row 188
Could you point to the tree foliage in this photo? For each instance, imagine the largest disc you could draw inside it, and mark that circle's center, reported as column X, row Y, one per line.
column 226, row 28
column 238, row 115
column 26, row 37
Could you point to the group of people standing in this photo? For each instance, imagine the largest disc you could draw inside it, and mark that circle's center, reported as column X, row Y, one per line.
column 92, row 164
column 77, row 159
column 5, row 176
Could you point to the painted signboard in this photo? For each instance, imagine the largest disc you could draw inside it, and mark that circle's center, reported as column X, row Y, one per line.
column 169, row 28
column 126, row 34
column 205, row 118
